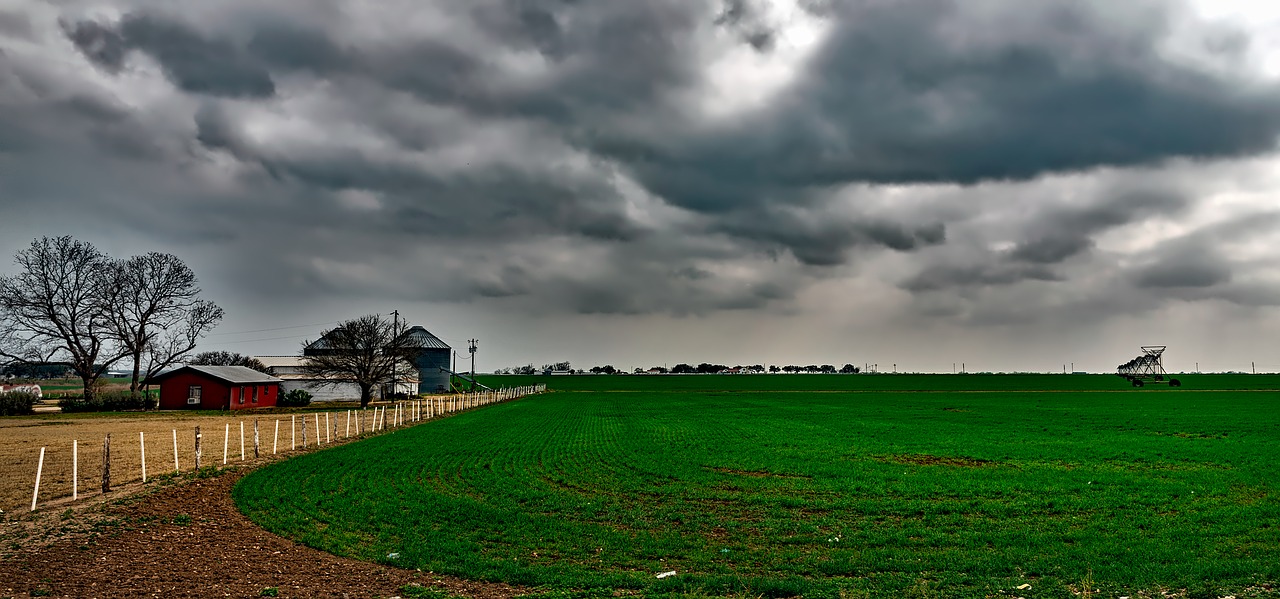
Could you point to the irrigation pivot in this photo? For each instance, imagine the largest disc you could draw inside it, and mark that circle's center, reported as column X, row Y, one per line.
column 1147, row 367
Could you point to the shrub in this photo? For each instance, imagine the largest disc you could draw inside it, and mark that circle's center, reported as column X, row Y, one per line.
column 108, row 401
column 17, row 403
column 295, row 398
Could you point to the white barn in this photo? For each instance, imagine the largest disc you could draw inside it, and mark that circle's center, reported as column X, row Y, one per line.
column 290, row 370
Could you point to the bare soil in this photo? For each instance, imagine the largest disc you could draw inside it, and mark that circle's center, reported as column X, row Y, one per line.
column 188, row 540
column 920, row 459
column 179, row 534
column 22, row 437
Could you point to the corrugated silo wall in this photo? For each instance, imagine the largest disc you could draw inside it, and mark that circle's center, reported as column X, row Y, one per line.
column 431, row 377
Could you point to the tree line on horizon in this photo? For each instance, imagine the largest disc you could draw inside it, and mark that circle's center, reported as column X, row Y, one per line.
column 703, row 368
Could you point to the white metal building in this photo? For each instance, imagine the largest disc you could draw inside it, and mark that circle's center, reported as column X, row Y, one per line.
column 290, row 370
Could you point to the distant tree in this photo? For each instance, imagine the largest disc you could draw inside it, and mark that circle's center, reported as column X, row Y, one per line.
column 848, row 369
column 683, row 369
column 227, row 358
column 606, row 369
column 153, row 309
column 55, row 306
column 773, row 369
column 828, row 369
column 363, row 351
column 526, row 369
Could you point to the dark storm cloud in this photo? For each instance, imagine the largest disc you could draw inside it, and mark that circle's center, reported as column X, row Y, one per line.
column 101, row 44
column 193, row 62
column 1050, row 237
column 1198, row 271
column 743, row 17
column 935, row 91
column 822, row 239
column 941, row 277
column 1203, row 259
column 1058, row 235
column 1051, row 249
column 560, row 146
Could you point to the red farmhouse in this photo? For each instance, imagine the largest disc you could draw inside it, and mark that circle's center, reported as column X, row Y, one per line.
column 216, row 388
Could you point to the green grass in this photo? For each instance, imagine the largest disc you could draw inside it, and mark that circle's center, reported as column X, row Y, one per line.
column 878, row 382
column 764, row 492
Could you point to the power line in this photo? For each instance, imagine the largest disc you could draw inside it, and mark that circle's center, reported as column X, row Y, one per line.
column 262, row 339
column 273, row 329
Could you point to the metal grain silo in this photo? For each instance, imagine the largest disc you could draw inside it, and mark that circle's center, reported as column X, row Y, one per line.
column 431, row 357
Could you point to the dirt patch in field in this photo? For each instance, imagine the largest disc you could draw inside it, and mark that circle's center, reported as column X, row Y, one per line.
column 755, row 473
column 190, row 541
column 922, row 459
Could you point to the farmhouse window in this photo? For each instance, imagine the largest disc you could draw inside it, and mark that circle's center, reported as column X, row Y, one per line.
column 239, row 392
column 255, row 394
column 193, row 395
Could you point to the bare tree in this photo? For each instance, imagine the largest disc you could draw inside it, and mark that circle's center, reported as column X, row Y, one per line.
column 227, row 358
column 54, row 307
column 363, row 351
column 178, row 340
column 154, row 309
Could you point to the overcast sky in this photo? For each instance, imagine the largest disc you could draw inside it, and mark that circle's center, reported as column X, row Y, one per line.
column 1012, row 185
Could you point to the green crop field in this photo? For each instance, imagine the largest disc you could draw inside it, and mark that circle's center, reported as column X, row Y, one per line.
column 816, row 486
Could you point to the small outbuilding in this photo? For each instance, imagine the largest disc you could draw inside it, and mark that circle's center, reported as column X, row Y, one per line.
column 216, row 388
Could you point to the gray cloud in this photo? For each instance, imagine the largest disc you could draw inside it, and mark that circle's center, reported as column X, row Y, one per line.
column 743, row 17
column 1195, row 272
column 551, row 156
column 1058, row 235
column 193, row 62
column 101, row 44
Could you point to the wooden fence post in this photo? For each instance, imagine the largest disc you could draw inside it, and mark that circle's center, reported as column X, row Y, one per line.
column 106, row 464
column 142, row 450
column 276, row 438
column 348, row 435
column 293, row 432
column 304, row 431
column 241, row 440
column 175, row 451
column 255, row 440
column 327, row 439
column 198, row 451
column 75, row 470
column 39, row 471
column 226, row 442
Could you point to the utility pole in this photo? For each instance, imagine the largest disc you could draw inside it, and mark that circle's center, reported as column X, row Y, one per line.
column 472, row 349
column 395, row 336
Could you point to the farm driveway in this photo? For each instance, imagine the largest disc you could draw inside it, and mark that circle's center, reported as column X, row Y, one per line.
column 190, row 541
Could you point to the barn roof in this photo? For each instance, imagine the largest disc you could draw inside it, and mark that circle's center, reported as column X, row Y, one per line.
column 420, row 338
column 230, row 374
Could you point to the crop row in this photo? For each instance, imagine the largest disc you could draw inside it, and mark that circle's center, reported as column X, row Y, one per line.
column 785, row 494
